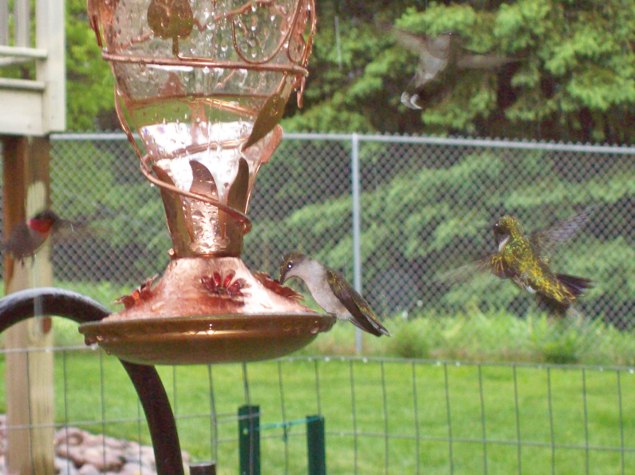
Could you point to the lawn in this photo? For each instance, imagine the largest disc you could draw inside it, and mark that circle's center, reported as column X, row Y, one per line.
column 382, row 416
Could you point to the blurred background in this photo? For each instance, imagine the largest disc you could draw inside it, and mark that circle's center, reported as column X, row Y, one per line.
column 475, row 378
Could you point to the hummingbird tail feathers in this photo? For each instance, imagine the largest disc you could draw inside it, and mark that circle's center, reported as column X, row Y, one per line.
column 575, row 285
column 370, row 326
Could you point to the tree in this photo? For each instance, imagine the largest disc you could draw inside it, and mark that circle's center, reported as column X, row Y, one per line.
column 575, row 80
column 356, row 72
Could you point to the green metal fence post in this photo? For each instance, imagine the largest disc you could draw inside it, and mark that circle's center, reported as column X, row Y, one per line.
column 249, row 439
column 316, row 448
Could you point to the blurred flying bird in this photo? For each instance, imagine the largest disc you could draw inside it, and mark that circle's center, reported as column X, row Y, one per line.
column 525, row 260
column 441, row 60
column 27, row 237
column 332, row 292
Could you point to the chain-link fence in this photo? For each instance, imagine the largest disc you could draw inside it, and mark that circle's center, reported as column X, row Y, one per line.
column 393, row 213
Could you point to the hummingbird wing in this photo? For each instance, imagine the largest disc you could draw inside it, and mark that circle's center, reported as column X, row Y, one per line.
column 414, row 43
column 545, row 241
column 20, row 243
column 483, row 61
column 69, row 231
column 363, row 316
column 490, row 264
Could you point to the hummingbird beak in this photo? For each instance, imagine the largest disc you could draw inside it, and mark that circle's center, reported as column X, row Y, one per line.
column 290, row 262
column 283, row 274
column 63, row 223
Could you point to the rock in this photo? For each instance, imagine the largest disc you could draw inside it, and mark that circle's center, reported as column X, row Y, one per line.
column 79, row 452
column 74, row 453
column 88, row 470
column 131, row 468
column 70, row 436
column 103, row 461
column 64, row 467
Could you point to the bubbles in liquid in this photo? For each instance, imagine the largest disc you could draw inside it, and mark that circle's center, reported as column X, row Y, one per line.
column 242, row 77
column 205, row 226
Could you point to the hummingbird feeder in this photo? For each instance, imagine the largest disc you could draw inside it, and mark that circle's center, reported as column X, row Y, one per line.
column 200, row 89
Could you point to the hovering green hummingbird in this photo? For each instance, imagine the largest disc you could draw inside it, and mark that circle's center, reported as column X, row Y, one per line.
column 524, row 260
column 331, row 291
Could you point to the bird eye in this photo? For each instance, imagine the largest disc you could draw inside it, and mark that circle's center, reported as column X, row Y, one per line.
column 289, row 265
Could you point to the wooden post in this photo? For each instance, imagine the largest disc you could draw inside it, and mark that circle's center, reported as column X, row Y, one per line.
column 29, row 376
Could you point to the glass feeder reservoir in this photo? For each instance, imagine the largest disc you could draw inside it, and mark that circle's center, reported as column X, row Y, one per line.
column 200, row 89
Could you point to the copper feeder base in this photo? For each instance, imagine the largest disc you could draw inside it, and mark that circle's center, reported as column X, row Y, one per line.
column 207, row 310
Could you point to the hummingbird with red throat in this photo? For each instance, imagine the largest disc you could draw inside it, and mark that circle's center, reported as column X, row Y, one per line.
column 27, row 237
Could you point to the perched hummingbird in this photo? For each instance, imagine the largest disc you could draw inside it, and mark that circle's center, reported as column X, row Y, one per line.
column 332, row 292
column 28, row 236
column 524, row 260
column 441, row 60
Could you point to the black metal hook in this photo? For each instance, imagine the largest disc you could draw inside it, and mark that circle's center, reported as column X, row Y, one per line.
column 21, row 305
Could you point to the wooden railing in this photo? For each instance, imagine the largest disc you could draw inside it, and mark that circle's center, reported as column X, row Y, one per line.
column 33, row 96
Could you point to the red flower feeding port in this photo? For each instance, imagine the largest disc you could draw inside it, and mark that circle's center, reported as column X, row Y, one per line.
column 200, row 89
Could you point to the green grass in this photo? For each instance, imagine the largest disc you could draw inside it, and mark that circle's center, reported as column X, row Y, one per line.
column 515, row 413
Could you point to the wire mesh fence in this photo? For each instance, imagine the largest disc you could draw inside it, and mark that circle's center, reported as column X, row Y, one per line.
column 393, row 213
column 382, row 416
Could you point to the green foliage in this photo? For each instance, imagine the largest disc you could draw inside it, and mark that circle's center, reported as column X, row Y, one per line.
column 89, row 85
column 355, row 71
column 574, row 79
column 407, row 341
column 488, row 337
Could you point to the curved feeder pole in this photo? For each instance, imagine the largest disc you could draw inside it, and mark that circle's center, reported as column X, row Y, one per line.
column 25, row 304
